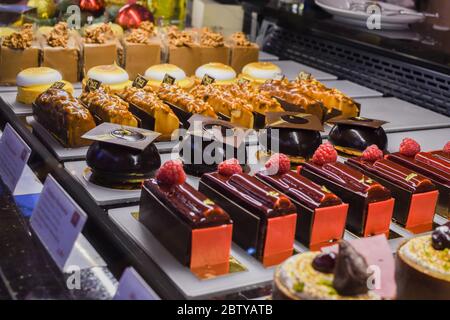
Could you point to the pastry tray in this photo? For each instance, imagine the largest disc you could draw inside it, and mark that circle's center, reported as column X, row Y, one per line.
column 291, row 69
column 402, row 115
column 265, row 56
column 351, row 89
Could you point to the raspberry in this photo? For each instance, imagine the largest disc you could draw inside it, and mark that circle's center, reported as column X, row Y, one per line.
column 279, row 162
column 372, row 153
column 325, row 153
column 229, row 167
column 171, row 173
column 447, row 147
column 409, row 147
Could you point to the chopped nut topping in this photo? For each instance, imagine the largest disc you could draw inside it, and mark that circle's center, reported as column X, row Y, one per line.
column 240, row 39
column 211, row 39
column 142, row 34
column 99, row 34
column 58, row 36
column 21, row 39
column 179, row 38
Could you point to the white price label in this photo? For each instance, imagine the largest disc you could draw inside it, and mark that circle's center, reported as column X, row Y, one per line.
column 133, row 287
column 57, row 220
column 14, row 155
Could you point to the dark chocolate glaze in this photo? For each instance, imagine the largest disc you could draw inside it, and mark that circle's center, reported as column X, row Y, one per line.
column 189, row 204
column 251, row 194
column 350, row 271
column 292, row 142
column 396, row 174
column 351, row 186
column 351, row 179
column 435, row 160
column 115, row 161
column 300, row 189
column 357, row 137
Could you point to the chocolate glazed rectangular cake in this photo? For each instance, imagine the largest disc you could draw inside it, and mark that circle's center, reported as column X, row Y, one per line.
column 434, row 166
column 264, row 220
column 192, row 227
column 370, row 204
column 415, row 195
column 321, row 215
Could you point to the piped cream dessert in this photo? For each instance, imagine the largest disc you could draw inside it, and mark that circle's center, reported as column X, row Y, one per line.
column 32, row 82
column 155, row 76
column 221, row 73
column 260, row 72
column 111, row 76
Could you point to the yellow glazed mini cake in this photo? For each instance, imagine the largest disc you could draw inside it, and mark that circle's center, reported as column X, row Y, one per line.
column 111, row 76
column 222, row 73
column 32, row 82
column 155, row 75
column 260, row 72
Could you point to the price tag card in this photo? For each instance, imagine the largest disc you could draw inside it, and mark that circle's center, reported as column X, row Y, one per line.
column 57, row 221
column 14, row 155
column 133, row 287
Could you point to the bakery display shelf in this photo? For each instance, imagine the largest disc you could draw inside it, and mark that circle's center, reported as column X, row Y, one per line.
column 76, row 85
column 351, row 89
column 402, row 115
column 291, row 69
column 266, row 56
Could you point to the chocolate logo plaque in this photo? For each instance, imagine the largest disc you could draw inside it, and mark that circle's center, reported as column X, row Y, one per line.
column 304, row 76
column 207, row 79
column 57, row 85
column 168, row 79
column 92, row 85
column 140, row 82
column 243, row 81
column 279, row 77
column 126, row 134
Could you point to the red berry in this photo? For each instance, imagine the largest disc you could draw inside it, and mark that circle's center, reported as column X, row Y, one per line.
column 279, row 163
column 372, row 153
column 171, row 173
column 447, row 147
column 325, row 153
column 409, row 147
column 229, row 167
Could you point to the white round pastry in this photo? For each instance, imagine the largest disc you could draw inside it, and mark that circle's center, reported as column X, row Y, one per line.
column 108, row 74
column 260, row 71
column 37, row 76
column 219, row 71
column 158, row 71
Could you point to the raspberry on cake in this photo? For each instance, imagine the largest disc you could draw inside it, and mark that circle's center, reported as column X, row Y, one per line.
column 229, row 167
column 171, row 173
column 372, row 153
column 278, row 163
column 409, row 147
column 325, row 154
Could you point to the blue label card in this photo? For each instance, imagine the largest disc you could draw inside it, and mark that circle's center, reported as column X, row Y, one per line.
column 57, row 221
column 133, row 287
column 14, row 155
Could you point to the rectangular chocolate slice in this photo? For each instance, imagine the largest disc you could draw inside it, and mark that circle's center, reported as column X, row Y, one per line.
column 370, row 204
column 415, row 195
column 428, row 169
column 321, row 215
column 192, row 227
column 264, row 219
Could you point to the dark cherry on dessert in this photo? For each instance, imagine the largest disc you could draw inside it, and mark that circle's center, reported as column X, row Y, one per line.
column 370, row 204
column 264, row 219
column 191, row 226
column 415, row 195
column 433, row 165
column 321, row 215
